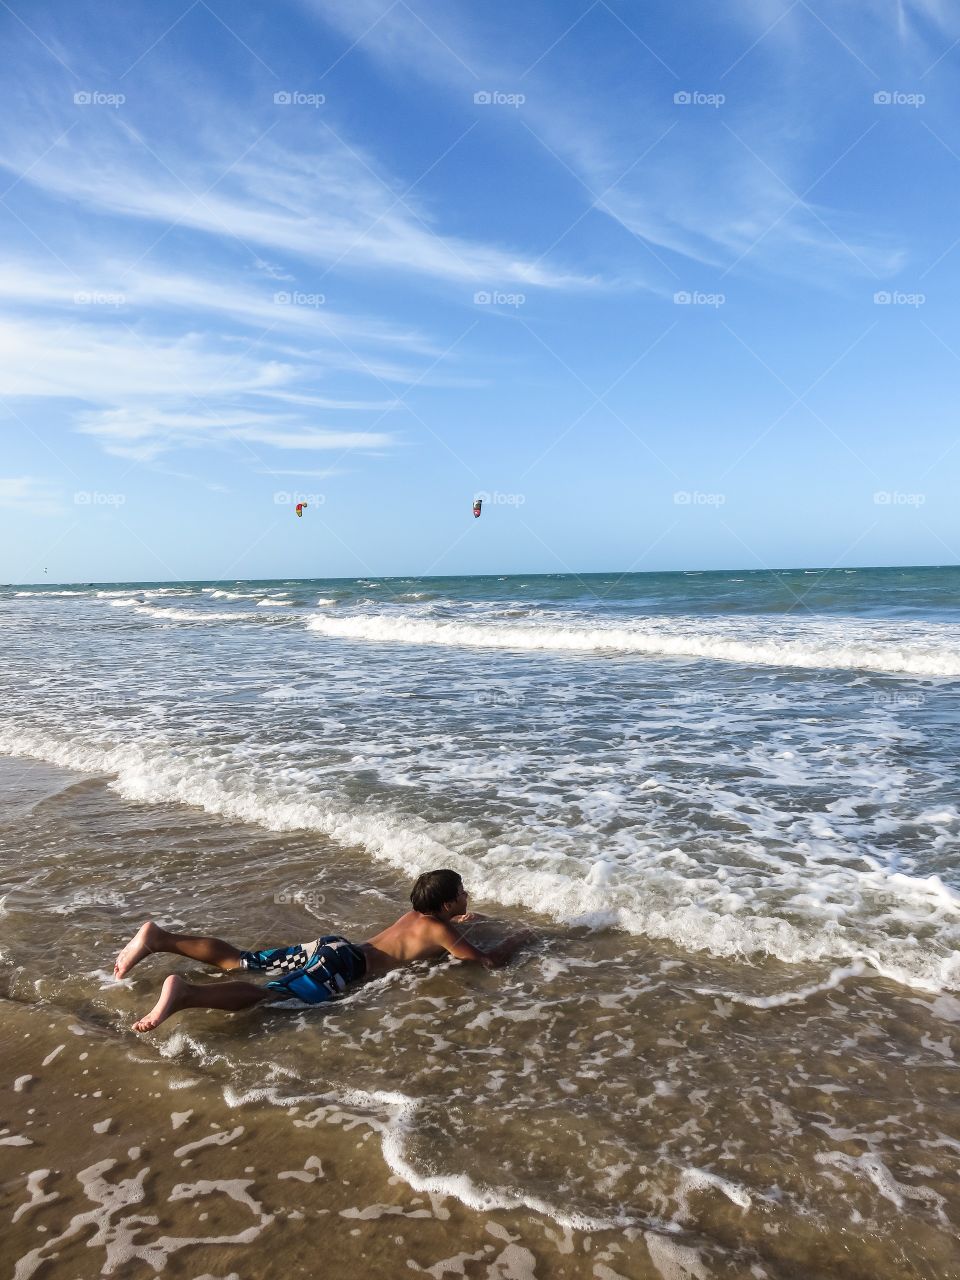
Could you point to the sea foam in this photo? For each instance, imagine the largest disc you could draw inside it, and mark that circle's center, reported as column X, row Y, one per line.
column 905, row 650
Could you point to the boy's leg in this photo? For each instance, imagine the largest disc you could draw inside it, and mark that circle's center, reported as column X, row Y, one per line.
column 151, row 938
column 177, row 994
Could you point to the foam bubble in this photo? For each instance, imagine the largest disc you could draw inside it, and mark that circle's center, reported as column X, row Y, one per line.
column 674, row 1261
column 37, row 1195
column 870, row 1165
column 219, row 1139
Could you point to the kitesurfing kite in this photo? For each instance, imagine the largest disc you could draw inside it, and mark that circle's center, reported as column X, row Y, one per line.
column 477, row 504
column 300, row 508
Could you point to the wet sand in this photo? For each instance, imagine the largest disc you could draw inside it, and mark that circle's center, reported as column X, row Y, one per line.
column 606, row 1106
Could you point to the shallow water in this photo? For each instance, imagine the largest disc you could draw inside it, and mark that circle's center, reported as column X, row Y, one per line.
column 729, row 1052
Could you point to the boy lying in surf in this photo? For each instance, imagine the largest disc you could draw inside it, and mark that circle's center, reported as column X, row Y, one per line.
column 317, row 971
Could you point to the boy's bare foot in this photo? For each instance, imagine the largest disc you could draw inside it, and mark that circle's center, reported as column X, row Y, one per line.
column 143, row 942
column 172, row 998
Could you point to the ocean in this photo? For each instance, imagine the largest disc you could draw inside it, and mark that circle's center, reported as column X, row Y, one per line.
column 725, row 802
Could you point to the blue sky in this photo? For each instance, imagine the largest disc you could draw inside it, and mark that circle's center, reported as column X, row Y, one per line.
column 673, row 285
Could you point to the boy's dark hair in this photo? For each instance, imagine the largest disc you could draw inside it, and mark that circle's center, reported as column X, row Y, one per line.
column 434, row 889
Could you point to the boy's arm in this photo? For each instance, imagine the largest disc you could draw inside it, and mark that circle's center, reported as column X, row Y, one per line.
column 460, row 949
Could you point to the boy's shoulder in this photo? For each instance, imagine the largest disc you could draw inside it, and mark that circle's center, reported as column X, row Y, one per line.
column 417, row 920
column 425, row 926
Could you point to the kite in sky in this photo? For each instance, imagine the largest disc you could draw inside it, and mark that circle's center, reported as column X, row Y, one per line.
column 477, row 504
column 300, row 508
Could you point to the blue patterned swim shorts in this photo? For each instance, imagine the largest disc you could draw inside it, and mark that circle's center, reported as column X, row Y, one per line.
column 313, row 972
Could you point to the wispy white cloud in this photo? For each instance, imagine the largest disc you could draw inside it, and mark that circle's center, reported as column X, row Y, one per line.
column 145, row 395
column 147, row 387
column 742, row 212
column 119, row 347
column 697, row 192
column 314, row 439
column 323, row 473
column 97, row 364
column 326, row 402
column 915, row 19
column 106, row 287
column 331, row 204
column 272, row 270
column 144, row 433
column 29, row 494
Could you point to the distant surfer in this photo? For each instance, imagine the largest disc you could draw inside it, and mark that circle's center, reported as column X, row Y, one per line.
column 317, row 971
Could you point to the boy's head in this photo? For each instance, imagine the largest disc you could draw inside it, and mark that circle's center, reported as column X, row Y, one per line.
column 435, row 890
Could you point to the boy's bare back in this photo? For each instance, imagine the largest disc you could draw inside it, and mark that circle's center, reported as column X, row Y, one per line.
column 429, row 932
column 421, row 937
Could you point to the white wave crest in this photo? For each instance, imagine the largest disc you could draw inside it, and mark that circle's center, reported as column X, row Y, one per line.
column 906, row 649
column 167, row 614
